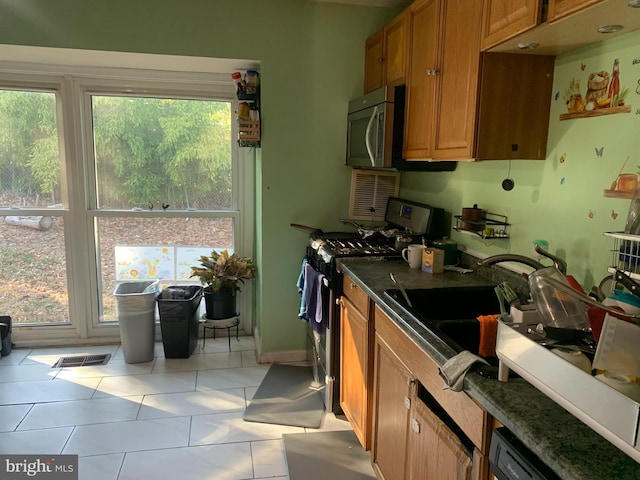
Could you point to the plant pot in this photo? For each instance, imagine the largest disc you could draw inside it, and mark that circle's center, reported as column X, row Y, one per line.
column 220, row 304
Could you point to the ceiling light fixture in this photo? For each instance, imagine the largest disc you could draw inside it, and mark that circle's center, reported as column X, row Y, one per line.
column 528, row 46
column 610, row 28
column 634, row 3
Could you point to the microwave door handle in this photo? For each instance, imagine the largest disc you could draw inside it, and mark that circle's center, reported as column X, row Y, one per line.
column 367, row 136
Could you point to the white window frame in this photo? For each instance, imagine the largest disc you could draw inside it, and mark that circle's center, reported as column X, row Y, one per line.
column 73, row 86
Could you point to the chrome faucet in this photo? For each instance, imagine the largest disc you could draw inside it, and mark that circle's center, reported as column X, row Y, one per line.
column 511, row 257
column 558, row 262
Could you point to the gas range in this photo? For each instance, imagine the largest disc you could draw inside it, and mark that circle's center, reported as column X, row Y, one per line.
column 322, row 252
column 328, row 248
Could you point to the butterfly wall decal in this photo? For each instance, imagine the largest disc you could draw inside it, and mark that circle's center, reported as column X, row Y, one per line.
column 557, row 95
column 599, row 151
column 582, row 66
column 614, row 214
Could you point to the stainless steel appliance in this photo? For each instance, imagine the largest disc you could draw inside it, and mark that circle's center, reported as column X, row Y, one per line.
column 511, row 460
column 322, row 254
column 375, row 128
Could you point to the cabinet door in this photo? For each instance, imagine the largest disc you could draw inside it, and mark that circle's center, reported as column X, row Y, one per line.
column 456, row 94
column 354, row 370
column 356, row 295
column 516, row 129
column 434, row 450
column 504, row 19
column 424, row 21
column 374, row 61
column 392, row 386
column 396, row 46
column 562, row 8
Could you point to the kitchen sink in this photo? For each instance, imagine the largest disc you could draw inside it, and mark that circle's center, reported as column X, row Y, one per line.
column 450, row 312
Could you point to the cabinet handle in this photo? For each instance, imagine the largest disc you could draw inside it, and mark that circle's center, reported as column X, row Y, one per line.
column 352, row 286
column 415, row 426
column 411, row 381
column 380, row 59
column 433, row 71
column 407, row 403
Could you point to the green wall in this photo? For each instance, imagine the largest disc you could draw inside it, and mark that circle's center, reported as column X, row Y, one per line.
column 562, row 198
column 311, row 62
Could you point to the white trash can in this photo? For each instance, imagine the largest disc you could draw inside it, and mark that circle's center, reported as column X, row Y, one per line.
column 135, row 307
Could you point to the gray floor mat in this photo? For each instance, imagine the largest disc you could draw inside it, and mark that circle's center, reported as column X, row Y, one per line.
column 285, row 397
column 326, row 455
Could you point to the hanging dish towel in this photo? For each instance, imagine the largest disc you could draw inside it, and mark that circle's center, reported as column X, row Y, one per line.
column 310, row 285
column 488, row 335
column 454, row 369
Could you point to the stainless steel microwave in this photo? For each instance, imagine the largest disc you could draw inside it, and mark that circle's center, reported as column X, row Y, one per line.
column 375, row 126
column 370, row 128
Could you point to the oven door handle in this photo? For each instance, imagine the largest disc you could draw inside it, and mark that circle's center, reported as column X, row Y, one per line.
column 367, row 136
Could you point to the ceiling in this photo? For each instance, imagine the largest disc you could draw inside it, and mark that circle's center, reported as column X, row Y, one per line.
column 372, row 3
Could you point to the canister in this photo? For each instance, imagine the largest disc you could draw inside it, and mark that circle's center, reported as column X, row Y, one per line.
column 472, row 218
column 450, row 248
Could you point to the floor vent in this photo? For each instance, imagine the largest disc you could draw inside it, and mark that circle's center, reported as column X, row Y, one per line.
column 83, row 361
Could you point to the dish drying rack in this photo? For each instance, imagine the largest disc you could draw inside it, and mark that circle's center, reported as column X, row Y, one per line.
column 625, row 254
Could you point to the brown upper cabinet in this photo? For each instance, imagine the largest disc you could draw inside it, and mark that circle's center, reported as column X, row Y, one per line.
column 514, row 103
column 560, row 8
column 504, row 19
column 423, row 71
column 385, row 61
column 461, row 105
column 554, row 27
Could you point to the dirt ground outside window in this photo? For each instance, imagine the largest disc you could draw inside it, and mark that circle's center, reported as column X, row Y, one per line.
column 33, row 281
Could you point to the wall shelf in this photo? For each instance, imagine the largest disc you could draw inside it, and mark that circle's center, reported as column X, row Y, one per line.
column 491, row 226
column 248, row 114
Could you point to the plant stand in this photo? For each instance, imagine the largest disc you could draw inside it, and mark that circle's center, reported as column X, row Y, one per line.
column 228, row 323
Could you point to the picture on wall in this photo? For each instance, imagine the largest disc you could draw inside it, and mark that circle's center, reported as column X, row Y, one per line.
column 604, row 95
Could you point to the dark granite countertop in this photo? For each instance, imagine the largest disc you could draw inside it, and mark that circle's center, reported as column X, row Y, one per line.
column 569, row 447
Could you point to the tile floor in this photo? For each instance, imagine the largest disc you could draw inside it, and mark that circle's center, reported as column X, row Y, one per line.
column 166, row 419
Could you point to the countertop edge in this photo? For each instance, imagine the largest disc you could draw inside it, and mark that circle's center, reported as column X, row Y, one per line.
column 569, row 447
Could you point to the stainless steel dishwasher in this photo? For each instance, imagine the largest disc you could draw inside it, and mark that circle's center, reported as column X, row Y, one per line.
column 511, row 460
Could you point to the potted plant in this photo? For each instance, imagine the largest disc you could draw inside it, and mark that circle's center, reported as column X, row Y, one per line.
column 222, row 274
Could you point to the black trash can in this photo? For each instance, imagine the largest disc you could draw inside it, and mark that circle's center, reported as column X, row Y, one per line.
column 179, row 321
column 5, row 335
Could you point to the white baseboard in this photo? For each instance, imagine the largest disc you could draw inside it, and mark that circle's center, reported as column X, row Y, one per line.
column 286, row 356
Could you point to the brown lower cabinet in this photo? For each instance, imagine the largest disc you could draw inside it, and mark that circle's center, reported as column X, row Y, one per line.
column 355, row 382
column 356, row 359
column 417, row 435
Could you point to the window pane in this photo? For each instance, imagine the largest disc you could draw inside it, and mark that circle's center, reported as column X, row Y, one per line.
column 154, row 152
column 33, row 285
column 154, row 248
column 29, row 153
